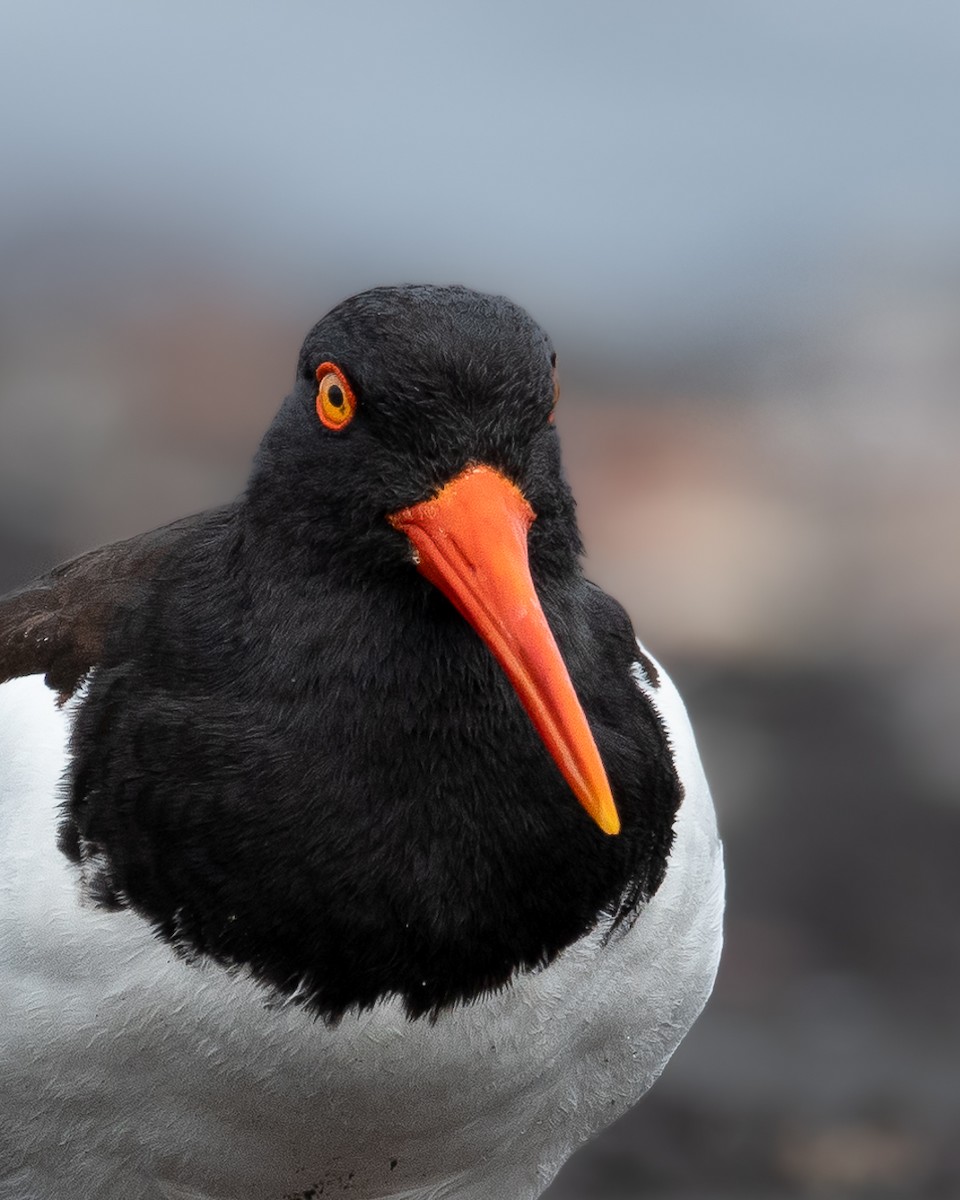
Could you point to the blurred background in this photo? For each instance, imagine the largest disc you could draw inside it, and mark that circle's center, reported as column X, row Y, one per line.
column 739, row 222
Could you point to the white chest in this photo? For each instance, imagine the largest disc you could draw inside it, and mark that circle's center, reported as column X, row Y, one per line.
column 127, row 1074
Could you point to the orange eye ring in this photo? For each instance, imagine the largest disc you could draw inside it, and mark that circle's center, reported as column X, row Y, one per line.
column 336, row 402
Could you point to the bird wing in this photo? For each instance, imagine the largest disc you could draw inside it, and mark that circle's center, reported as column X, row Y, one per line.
column 57, row 625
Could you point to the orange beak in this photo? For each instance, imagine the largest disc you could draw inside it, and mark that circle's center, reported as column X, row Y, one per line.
column 470, row 540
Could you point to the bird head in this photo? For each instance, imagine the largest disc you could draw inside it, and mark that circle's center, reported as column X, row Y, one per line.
column 419, row 443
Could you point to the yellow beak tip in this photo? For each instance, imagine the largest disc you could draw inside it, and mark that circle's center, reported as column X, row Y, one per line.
column 611, row 827
column 606, row 816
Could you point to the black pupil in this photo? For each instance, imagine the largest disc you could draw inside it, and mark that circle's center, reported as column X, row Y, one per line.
column 335, row 395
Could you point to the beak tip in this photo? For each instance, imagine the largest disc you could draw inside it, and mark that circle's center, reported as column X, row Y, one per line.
column 609, row 822
column 600, row 805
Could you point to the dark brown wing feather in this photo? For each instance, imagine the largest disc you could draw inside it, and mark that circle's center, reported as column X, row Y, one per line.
column 58, row 623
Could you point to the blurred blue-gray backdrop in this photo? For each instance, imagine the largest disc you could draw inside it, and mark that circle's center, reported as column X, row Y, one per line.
column 740, row 223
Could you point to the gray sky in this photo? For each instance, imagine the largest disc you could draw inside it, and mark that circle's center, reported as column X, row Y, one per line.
column 647, row 171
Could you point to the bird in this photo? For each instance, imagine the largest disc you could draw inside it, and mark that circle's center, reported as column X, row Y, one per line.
column 350, row 842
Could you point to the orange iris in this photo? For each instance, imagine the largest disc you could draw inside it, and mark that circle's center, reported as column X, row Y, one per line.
column 336, row 402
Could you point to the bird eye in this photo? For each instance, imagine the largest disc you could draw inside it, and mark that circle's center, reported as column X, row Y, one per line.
column 336, row 402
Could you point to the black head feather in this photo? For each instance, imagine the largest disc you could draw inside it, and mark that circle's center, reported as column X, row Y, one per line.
column 443, row 377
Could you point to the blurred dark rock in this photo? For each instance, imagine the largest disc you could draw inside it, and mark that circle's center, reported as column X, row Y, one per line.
column 826, row 1062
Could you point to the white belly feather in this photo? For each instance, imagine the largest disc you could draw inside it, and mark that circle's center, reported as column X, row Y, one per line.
column 128, row 1074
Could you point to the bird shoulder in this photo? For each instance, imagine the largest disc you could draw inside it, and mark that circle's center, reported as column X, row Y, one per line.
column 57, row 624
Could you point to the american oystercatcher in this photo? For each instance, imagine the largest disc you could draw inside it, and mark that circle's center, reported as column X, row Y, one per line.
column 349, row 841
